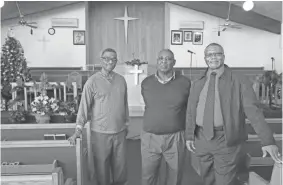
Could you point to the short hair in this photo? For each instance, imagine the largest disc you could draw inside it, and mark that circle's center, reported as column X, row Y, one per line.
column 168, row 50
column 213, row 44
column 108, row 50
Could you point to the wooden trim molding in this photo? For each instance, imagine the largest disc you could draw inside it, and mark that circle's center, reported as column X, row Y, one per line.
column 79, row 153
column 35, row 144
column 268, row 120
column 277, row 137
column 167, row 32
column 38, row 126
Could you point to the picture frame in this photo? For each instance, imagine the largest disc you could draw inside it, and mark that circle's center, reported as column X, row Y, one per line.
column 79, row 37
column 176, row 37
column 188, row 36
column 198, row 38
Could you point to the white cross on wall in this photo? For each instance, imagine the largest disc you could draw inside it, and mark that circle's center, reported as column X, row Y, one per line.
column 136, row 72
column 44, row 41
column 126, row 20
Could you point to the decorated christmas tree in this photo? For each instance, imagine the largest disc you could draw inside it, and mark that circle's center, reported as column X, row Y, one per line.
column 13, row 66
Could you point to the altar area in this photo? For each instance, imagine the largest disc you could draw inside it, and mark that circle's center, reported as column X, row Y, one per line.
column 28, row 138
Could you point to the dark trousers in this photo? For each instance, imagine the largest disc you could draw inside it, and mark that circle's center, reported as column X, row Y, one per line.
column 109, row 152
column 169, row 146
column 219, row 164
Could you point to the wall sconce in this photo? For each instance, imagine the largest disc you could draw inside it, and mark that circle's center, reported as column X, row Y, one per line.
column 248, row 5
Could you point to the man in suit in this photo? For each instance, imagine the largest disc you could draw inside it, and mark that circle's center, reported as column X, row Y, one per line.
column 215, row 122
column 165, row 95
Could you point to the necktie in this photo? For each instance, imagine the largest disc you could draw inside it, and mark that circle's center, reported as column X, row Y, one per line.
column 208, row 120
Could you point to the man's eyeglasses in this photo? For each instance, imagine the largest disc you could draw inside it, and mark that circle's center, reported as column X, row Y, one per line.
column 210, row 55
column 106, row 59
column 164, row 59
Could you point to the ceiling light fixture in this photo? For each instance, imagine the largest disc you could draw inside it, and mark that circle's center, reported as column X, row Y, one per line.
column 248, row 5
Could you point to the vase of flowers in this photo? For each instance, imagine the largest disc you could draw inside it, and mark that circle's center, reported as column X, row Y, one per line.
column 43, row 107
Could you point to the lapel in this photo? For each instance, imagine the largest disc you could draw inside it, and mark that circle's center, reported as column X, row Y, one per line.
column 225, row 93
column 197, row 88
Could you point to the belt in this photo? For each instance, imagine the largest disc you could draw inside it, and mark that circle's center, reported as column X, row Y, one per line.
column 218, row 128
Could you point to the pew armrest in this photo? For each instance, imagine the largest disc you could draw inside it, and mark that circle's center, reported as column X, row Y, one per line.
column 255, row 179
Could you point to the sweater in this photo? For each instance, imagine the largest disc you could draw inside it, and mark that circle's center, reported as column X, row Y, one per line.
column 107, row 101
column 165, row 104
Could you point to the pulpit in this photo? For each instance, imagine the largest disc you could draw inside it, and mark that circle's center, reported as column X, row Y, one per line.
column 133, row 75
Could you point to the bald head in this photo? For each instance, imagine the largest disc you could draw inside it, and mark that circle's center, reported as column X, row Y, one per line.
column 168, row 51
column 165, row 61
column 214, row 45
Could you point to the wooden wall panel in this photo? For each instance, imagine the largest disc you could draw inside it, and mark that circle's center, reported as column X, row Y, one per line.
column 145, row 35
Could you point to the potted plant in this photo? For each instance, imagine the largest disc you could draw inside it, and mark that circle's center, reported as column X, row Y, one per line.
column 68, row 110
column 19, row 115
column 43, row 107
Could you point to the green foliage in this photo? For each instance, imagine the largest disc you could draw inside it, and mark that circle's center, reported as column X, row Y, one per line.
column 135, row 62
column 68, row 108
column 19, row 115
column 13, row 66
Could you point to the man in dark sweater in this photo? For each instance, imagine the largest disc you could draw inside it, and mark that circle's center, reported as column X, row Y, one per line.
column 165, row 95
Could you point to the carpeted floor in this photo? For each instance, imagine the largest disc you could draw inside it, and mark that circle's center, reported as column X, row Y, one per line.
column 190, row 177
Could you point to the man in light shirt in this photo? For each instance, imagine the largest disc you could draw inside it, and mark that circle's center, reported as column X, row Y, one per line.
column 105, row 96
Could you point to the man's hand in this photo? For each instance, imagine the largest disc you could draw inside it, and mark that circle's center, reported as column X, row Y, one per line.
column 190, row 146
column 73, row 138
column 273, row 151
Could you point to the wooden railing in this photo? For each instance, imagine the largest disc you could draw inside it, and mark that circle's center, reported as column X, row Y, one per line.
column 29, row 87
column 262, row 93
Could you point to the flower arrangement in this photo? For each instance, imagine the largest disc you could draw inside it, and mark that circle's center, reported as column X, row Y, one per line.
column 43, row 105
column 19, row 115
column 135, row 61
column 67, row 108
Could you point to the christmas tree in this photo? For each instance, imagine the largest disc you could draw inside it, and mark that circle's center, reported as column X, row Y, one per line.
column 13, row 66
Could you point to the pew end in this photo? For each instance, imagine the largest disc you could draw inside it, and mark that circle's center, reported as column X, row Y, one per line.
column 276, row 178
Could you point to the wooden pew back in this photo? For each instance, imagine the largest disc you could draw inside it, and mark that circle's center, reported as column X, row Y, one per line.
column 43, row 152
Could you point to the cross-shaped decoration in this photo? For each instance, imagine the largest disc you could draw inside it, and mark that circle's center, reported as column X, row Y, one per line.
column 126, row 20
column 44, row 41
column 136, row 72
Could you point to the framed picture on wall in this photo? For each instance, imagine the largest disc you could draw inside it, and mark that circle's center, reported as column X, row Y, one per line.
column 188, row 36
column 197, row 38
column 79, row 37
column 176, row 37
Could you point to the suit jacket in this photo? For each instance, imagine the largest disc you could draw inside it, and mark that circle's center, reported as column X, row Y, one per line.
column 238, row 101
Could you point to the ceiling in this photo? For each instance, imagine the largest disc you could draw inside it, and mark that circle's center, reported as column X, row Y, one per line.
column 266, row 15
column 271, row 9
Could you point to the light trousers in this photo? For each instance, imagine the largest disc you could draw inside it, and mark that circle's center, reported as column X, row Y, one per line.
column 169, row 146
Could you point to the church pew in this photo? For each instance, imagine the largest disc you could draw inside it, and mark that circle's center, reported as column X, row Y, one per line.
column 69, row 157
column 276, row 179
column 14, row 132
column 32, row 174
column 21, row 132
column 274, row 123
